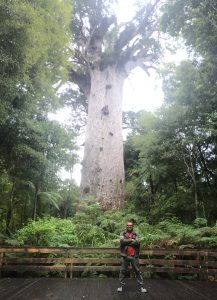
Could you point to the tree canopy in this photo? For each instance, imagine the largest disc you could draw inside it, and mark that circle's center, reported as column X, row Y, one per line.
column 173, row 153
column 35, row 36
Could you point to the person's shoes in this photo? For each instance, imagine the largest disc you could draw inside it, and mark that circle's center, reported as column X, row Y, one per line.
column 142, row 290
column 120, row 289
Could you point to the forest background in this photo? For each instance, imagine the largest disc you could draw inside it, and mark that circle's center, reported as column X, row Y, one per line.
column 170, row 156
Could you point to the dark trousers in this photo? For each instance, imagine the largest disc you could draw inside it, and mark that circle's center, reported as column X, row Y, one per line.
column 134, row 261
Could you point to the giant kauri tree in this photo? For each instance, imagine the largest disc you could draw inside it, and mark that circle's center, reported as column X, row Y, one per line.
column 104, row 54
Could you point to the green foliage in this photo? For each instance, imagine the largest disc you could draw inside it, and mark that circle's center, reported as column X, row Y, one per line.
column 170, row 158
column 151, row 235
column 18, row 200
column 208, row 231
column 179, row 233
column 103, row 230
column 69, row 193
column 48, row 232
column 90, row 235
column 207, row 242
column 34, row 58
column 200, row 222
column 195, row 21
column 192, row 86
column 22, row 20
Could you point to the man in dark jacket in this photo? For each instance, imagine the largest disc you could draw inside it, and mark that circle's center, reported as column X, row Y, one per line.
column 129, row 246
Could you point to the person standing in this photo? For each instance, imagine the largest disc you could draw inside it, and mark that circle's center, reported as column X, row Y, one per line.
column 129, row 247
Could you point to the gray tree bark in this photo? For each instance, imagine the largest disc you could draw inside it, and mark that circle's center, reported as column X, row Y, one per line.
column 103, row 165
column 104, row 54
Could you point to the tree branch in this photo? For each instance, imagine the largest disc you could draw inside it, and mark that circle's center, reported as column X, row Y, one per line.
column 133, row 29
column 82, row 80
column 93, row 48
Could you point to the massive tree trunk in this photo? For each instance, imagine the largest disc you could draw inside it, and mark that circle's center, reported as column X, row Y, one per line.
column 103, row 166
column 104, row 54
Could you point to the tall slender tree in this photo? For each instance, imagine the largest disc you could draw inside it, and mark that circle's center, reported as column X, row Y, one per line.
column 105, row 53
column 34, row 43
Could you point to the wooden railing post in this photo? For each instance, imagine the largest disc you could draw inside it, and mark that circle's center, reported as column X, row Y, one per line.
column 1, row 263
column 66, row 265
column 200, row 274
column 206, row 268
column 71, row 272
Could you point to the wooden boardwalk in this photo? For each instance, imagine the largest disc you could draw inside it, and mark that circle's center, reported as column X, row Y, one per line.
column 103, row 289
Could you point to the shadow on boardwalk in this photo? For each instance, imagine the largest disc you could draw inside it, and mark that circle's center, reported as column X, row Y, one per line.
column 103, row 289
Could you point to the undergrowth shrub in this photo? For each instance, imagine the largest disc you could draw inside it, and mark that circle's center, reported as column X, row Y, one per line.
column 92, row 227
column 200, row 222
column 207, row 242
column 51, row 232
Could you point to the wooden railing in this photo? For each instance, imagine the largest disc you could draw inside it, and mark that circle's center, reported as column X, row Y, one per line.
column 71, row 260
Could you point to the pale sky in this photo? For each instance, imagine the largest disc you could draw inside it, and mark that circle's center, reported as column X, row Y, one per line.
column 141, row 92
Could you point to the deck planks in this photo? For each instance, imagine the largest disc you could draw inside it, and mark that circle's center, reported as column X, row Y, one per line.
column 103, row 289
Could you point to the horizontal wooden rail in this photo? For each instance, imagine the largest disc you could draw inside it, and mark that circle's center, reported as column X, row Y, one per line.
column 58, row 250
column 68, row 260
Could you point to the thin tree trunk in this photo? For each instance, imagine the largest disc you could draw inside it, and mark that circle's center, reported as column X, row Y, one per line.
column 195, row 191
column 103, row 165
column 191, row 172
column 204, row 167
column 35, row 203
column 151, row 184
column 9, row 215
